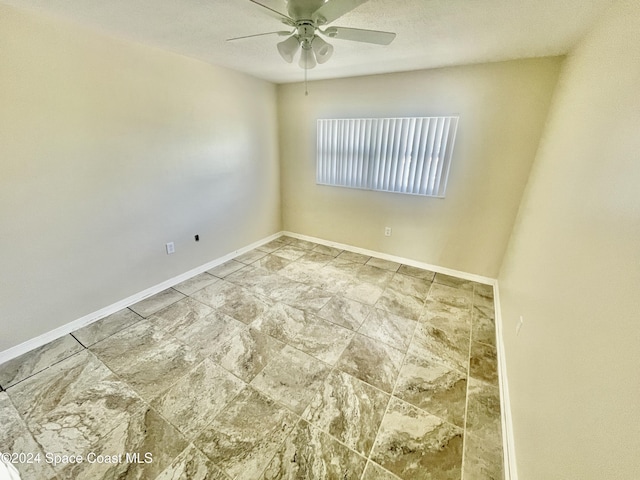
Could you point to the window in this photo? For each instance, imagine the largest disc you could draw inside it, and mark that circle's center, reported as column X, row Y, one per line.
column 404, row 155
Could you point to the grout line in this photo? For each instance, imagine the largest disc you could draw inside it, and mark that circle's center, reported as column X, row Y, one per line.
column 6, row 388
column 335, row 439
column 466, row 401
column 391, row 474
column 395, row 384
column 51, row 335
column 404, row 261
column 76, row 339
column 333, row 368
column 267, row 464
column 437, row 359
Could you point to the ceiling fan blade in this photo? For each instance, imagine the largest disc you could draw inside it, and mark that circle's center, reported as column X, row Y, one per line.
column 274, row 13
column 281, row 33
column 360, row 35
column 334, row 9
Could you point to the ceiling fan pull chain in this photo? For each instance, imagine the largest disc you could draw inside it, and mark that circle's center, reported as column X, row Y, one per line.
column 306, row 90
column 306, row 17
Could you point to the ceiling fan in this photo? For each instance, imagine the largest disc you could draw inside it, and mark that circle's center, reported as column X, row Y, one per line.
column 306, row 17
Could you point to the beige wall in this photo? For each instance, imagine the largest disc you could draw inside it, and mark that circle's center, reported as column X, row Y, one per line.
column 502, row 110
column 108, row 151
column 572, row 270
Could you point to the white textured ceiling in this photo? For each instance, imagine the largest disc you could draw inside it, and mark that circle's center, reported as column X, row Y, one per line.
column 430, row 33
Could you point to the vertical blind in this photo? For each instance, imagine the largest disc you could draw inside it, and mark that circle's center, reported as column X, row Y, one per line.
column 404, row 155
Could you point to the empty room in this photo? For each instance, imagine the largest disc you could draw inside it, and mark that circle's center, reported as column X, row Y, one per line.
column 319, row 239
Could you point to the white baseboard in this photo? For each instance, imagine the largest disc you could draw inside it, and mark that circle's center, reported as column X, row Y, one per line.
column 393, row 258
column 70, row 327
column 509, row 454
column 507, row 428
column 508, row 446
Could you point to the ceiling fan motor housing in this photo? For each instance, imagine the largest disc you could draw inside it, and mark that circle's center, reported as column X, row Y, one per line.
column 305, row 17
column 306, row 32
column 303, row 8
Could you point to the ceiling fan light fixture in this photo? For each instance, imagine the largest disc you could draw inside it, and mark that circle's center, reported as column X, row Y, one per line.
column 322, row 49
column 288, row 48
column 307, row 59
column 331, row 32
column 306, row 17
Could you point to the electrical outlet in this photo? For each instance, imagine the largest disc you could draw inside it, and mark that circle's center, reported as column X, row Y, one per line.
column 171, row 248
column 387, row 231
column 197, row 238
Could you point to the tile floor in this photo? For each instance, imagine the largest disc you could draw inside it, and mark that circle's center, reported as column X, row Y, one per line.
column 294, row 360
